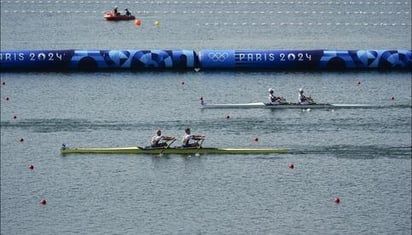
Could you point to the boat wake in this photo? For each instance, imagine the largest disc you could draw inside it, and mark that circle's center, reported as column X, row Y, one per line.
column 358, row 152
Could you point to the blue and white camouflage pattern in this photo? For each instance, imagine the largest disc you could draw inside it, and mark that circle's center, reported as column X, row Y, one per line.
column 181, row 60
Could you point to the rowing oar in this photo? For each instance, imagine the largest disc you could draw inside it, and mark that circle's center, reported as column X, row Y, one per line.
column 161, row 152
column 200, row 142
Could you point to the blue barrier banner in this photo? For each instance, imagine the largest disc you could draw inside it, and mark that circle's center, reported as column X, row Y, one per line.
column 143, row 60
column 260, row 59
column 134, row 60
column 306, row 59
column 96, row 60
column 35, row 60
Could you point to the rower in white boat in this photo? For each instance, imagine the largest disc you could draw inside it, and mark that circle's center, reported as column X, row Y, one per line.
column 275, row 100
column 304, row 99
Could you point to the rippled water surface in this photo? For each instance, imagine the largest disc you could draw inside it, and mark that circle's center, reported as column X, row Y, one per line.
column 362, row 156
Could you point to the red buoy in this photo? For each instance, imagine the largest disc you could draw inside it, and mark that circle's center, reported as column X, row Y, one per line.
column 137, row 22
column 227, row 117
column 43, row 201
column 31, row 167
column 291, row 165
column 183, row 83
column 337, row 200
column 256, row 139
column 21, row 140
column 392, row 98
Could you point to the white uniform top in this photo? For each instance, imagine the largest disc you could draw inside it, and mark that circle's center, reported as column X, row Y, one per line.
column 156, row 139
column 186, row 139
column 273, row 99
column 303, row 99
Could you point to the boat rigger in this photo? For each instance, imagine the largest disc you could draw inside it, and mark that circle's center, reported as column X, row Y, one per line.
column 172, row 150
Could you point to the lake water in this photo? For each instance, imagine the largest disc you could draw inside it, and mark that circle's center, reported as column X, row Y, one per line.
column 362, row 156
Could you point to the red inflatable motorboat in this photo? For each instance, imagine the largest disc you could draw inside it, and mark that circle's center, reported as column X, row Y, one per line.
column 113, row 17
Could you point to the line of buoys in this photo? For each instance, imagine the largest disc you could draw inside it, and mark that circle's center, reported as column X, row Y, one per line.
column 372, row 24
column 178, row 60
column 42, row 201
column 297, row 3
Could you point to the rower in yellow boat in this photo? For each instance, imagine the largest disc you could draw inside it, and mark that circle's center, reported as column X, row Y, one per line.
column 190, row 140
column 159, row 140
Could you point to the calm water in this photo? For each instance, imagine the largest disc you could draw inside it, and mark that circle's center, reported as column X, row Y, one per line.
column 362, row 156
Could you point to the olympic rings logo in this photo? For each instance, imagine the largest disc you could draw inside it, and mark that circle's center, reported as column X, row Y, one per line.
column 218, row 56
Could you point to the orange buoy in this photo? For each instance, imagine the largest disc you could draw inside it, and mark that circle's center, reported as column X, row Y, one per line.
column 137, row 22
